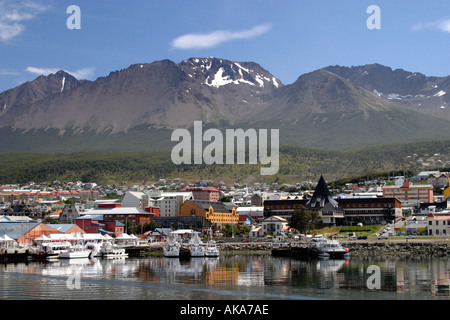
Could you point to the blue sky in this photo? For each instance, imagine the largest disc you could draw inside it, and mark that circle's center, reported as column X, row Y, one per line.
column 286, row 37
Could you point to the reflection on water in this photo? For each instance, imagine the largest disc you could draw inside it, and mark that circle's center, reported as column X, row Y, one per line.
column 229, row 277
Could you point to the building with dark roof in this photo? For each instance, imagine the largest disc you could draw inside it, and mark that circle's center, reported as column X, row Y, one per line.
column 329, row 209
column 217, row 213
column 339, row 211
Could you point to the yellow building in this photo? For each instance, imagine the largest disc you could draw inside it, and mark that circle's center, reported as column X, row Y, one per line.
column 447, row 193
column 215, row 212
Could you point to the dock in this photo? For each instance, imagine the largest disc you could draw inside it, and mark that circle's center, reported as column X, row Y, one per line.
column 12, row 255
column 304, row 252
column 136, row 251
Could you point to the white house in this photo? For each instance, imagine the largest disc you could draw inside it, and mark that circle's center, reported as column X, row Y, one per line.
column 438, row 225
column 256, row 232
column 273, row 225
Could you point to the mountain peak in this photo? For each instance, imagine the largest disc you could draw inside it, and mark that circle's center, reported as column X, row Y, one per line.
column 217, row 72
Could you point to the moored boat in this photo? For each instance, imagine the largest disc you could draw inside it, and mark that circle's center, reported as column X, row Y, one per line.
column 172, row 247
column 110, row 251
column 211, row 249
column 95, row 248
column 331, row 249
column 75, row 252
column 50, row 250
column 196, row 246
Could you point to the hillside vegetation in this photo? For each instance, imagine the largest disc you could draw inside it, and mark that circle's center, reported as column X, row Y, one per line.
column 103, row 167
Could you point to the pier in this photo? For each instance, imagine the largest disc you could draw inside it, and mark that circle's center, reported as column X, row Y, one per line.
column 13, row 255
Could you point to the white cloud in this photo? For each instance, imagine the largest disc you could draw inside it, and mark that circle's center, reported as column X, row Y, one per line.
column 209, row 40
column 14, row 13
column 84, row 73
column 441, row 25
column 6, row 72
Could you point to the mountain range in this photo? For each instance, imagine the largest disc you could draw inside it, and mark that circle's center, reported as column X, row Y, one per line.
column 137, row 108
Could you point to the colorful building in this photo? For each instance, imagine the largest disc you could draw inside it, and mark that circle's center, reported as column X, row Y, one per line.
column 97, row 224
column 447, row 193
column 26, row 232
column 215, row 212
column 132, row 215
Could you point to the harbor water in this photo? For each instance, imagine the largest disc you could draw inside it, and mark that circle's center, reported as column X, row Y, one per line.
column 237, row 277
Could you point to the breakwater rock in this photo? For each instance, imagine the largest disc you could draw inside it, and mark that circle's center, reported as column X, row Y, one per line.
column 244, row 248
column 398, row 248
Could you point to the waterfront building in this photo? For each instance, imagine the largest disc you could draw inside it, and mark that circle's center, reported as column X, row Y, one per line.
column 328, row 208
column 416, row 226
column 438, row 225
column 370, row 210
column 273, row 225
column 27, row 232
column 133, row 215
column 339, row 210
column 215, row 212
column 97, row 224
column 157, row 235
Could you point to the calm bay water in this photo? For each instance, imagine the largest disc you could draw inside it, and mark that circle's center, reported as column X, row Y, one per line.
column 226, row 278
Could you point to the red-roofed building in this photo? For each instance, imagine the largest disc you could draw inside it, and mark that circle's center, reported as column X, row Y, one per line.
column 203, row 193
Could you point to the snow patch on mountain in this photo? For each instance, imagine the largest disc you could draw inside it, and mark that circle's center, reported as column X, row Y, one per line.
column 63, row 84
column 440, row 93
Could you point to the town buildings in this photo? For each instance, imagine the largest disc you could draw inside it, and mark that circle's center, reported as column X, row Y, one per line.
column 349, row 210
column 98, row 224
column 439, row 179
column 203, row 193
column 409, row 192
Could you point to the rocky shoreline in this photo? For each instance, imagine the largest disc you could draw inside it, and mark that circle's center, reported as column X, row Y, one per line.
column 357, row 248
column 399, row 248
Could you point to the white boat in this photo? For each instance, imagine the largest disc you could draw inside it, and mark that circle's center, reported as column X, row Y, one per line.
column 211, row 249
column 110, row 251
column 196, row 246
column 331, row 249
column 95, row 247
column 50, row 250
column 172, row 247
column 75, row 252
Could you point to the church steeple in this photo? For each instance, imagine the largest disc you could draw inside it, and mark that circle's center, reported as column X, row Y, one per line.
column 321, row 196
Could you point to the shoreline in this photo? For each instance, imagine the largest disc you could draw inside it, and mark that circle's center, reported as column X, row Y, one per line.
column 415, row 247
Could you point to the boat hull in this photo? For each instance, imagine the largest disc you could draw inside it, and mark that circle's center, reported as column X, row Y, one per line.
column 75, row 255
column 44, row 256
column 282, row 252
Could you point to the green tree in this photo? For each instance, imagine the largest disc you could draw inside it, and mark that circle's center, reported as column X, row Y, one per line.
column 302, row 218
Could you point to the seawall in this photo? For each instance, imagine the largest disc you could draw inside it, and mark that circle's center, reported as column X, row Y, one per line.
column 398, row 248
